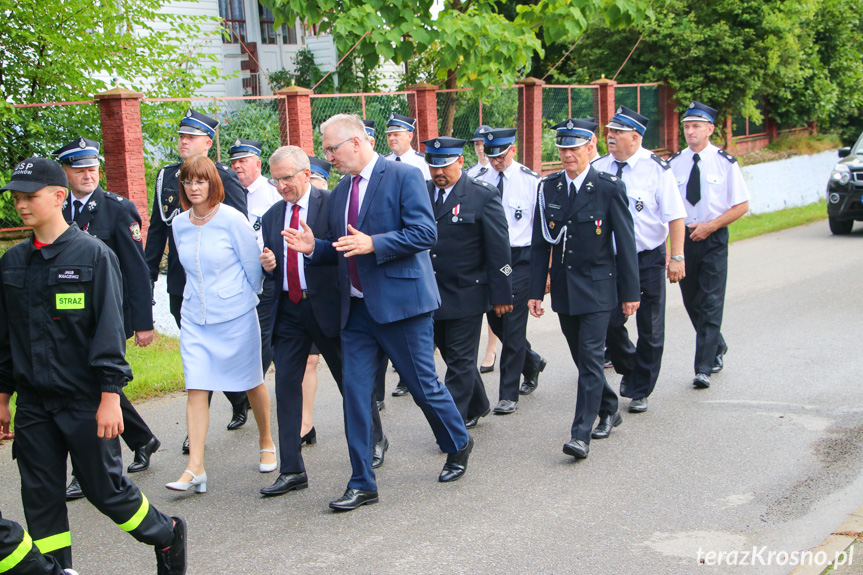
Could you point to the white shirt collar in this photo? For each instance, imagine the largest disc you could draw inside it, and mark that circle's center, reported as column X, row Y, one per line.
column 366, row 172
column 304, row 201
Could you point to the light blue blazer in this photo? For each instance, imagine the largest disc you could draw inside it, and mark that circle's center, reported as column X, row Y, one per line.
column 223, row 269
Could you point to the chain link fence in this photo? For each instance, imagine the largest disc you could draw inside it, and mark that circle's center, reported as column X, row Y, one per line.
column 644, row 99
column 560, row 103
column 741, row 126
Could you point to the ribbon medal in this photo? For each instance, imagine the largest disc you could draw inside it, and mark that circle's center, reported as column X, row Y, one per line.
column 598, row 227
column 455, row 212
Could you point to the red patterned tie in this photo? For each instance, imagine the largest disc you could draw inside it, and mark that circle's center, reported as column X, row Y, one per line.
column 353, row 214
column 293, row 268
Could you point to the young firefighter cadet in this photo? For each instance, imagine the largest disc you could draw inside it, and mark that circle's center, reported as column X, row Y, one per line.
column 62, row 349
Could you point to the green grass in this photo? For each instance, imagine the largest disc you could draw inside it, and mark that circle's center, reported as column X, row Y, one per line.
column 755, row 225
column 157, row 368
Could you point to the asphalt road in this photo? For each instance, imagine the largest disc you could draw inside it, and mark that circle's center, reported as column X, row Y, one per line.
column 769, row 456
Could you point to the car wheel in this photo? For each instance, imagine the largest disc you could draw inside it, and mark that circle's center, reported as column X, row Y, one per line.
column 840, row 227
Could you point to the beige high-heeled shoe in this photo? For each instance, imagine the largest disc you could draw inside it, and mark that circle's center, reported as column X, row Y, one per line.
column 199, row 482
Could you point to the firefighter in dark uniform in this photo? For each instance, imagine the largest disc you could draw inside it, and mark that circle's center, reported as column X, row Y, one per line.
column 581, row 216
column 19, row 556
column 62, row 350
column 196, row 138
column 472, row 269
column 114, row 220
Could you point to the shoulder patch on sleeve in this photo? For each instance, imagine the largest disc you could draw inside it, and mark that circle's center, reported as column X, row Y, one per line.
column 727, row 156
column 135, row 230
column 660, row 161
column 527, row 170
column 674, row 155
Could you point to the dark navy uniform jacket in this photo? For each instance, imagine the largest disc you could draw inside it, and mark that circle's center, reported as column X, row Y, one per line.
column 585, row 272
column 115, row 220
column 61, row 323
column 471, row 258
column 166, row 205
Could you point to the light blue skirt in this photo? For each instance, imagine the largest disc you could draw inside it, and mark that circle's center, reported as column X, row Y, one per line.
column 222, row 356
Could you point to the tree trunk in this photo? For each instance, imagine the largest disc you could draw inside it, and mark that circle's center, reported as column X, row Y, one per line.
column 449, row 109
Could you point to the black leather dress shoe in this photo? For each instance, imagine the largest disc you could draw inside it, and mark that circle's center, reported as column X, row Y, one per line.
column 624, row 386
column 505, row 407
column 73, row 491
column 142, row 455
column 577, row 448
column 241, row 416
column 400, row 390
column 638, row 405
column 473, row 421
column 606, row 424
column 379, row 452
column 381, row 405
column 310, row 438
column 531, row 380
column 701, row 381
column 186, row 446
column 718, row 361
column 353, row 498
column 172, row 560
column 287, row 482
column 456, row 463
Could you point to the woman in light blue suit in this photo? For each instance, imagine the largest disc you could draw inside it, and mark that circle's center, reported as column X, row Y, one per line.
column 220, row 335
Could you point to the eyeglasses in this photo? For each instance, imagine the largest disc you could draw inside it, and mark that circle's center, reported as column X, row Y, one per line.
column 191, row 183
column 332, row 151
column 285, row 180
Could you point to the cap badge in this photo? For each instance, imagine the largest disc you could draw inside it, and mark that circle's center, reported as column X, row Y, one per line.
column 490, row 137
column 569, row 125
column 437, row 143
column 691, row 105
column 620, row 110
column 188, row 113
column 237, row 143
column 82, row 144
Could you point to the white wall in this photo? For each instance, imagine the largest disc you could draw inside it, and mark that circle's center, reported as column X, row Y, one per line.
column 796, row 181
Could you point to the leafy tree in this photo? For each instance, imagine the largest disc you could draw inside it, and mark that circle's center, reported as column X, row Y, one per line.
column 68, row 50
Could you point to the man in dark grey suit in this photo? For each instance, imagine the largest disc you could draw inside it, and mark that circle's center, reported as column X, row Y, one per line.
column 581, row 215
column 471, row 263
column 305, row 307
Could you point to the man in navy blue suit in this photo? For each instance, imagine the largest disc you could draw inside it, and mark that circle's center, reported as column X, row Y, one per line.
column 380, row 220
column 305, row 307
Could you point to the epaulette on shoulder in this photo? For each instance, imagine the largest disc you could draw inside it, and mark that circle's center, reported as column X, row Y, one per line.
column 609, row 177
column 727, row 156
column 551, row 176
column 674, row 155
column 599, row 158
column 222, row 166
column 480, row 182
column 660, row 161
column 527, row 170
column 115, row 197
column 418, row 154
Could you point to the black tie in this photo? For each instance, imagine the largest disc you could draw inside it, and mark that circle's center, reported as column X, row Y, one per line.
column 438, row 205
column 500, row 184
column 619, row 168
column 78, row 205
column 572, row 190
column 693, row 186
column 398, row 159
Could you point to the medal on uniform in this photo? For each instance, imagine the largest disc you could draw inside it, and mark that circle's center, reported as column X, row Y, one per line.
column 170, row 199
column 455, row 212
column 551, row 225
column 598, row 227
column 518, row 214
column 639, row 205
column 91, row 205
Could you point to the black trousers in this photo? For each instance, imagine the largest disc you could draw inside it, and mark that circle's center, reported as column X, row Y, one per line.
column 641, row 363
column 18, row 554
column 238, row 399
column 295, row 330
column 703, row 291
column 585, row 335
column 43, row 440
column 516, row 357
column 381, row 379
column 458, row 342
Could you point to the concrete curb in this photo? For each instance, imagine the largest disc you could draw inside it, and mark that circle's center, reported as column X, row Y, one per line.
column 837, row 542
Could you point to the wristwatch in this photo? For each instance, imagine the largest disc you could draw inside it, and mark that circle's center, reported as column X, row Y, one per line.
column 677, row 258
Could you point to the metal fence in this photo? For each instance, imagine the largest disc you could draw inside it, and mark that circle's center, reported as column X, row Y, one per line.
column 560, row 103
column 644, row 99
column 743, row 127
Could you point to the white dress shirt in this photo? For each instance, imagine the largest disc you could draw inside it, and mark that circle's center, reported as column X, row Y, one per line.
column 304, row 213
column 722, row 184
column 412, row 158
column 365, row 174
column 652, row 193
column 262, row 195
column 519, row 197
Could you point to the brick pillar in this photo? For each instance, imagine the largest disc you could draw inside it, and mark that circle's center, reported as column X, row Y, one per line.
column 123, row 148
column 425, row 111
column 295, row 118
column 530, row 123
column 669, row 129
column 606, row 103
column 772, row 128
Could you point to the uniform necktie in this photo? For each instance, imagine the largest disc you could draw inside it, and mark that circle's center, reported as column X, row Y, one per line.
column 438, row 205
column 293, row 267
column 572, row 190
column 353, row 214
column 78, row 206
column 500, row 184
column 619, row 168
column 693, row 186
column 398, row 159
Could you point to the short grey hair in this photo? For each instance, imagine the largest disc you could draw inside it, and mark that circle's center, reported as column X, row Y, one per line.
column 297, row 155
column 349, row 126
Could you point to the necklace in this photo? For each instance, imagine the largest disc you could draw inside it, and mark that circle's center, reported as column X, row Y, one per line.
column 197, row 217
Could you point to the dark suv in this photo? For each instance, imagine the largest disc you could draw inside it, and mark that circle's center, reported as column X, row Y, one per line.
column 845, row 190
